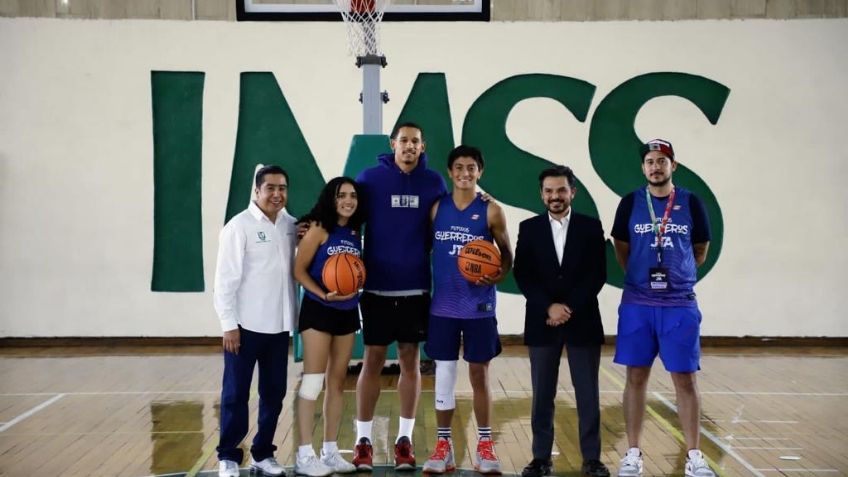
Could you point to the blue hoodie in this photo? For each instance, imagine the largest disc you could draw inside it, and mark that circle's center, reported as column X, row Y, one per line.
column 397, row 228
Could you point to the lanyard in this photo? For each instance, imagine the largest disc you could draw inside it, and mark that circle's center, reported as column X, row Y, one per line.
column 659, row 229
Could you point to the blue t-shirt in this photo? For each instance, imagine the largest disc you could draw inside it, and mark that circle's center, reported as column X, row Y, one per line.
column 340, row 240
column 397, row 214
column 453, row 295
column 687, row 224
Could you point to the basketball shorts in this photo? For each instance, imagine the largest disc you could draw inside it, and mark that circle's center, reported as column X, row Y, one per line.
column 478, row 336
column 386, row 319
column 673, row 332
column 316, row 316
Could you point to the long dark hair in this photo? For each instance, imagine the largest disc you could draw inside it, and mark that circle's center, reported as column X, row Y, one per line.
column 324, row 211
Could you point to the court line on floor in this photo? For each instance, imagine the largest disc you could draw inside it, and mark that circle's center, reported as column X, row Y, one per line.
column 716, row 440
column 757, row 438
column 771, row 393
column 105, row 433
column 107, row 393
column 32, row 411
column 744, row 421
column 768, row 448
column 799, row 469
column 679, row 436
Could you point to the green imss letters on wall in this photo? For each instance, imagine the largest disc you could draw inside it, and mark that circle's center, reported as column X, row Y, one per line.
column 269, row 133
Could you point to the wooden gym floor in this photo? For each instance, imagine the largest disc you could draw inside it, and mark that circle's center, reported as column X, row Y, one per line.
column 154, row 411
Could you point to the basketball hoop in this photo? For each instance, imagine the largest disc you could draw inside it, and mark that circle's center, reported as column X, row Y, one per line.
column 363, row 18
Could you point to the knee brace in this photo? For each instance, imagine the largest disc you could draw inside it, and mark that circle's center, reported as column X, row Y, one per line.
column 310, row 386
column 445, row 385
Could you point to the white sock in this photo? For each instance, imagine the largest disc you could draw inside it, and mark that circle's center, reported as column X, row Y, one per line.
column 305, row 451
column 329, row 448
column 363, row 429
column 405, row 428
column 695, row 454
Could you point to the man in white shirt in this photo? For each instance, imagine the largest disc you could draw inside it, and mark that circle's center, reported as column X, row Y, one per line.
column 255, row 298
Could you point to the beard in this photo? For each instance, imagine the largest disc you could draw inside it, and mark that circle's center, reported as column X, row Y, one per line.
column 659, row 182
column 557, row 207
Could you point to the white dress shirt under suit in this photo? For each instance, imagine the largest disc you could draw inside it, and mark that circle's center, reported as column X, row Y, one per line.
column 559, row 228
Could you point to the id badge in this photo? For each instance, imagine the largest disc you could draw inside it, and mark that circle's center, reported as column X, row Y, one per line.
column 658, row 278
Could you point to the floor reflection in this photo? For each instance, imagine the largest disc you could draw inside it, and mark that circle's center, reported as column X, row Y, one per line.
column 176, row 434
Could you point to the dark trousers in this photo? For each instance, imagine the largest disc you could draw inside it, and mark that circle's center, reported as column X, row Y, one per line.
column 584, row 363
column 271, row 352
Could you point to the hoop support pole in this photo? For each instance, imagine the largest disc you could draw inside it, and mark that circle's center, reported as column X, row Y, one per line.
column 372, row 100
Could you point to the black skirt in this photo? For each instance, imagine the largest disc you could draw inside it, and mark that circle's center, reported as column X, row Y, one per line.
column 317, row 316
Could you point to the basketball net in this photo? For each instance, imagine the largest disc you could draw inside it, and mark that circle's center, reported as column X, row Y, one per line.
column 362, row 18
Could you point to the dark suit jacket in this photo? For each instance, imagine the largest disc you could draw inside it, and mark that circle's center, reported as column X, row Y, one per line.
column 576, row 281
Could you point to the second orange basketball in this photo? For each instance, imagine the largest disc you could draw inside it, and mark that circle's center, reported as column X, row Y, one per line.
column 343, row 273
column 478, row 258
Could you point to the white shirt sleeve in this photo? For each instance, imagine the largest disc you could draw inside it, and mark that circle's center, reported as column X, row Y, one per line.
column 228, row 276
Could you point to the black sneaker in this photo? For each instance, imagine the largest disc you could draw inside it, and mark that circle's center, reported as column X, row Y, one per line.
column 595, row 468
column 537, row 468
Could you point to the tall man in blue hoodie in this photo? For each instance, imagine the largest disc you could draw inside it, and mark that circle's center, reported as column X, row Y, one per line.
column 396, row 196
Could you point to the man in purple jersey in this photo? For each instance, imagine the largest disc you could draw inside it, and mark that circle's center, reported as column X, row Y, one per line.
column 661, row 235
column 463, row 312
column 396, row 198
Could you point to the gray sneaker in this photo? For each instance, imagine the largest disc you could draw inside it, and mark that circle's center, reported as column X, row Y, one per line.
column 631, row 464
column 268, row 467
column 696, row 465
column 335, row 461
column 487, row 461
column 441, row 460
column 228, row 468
column 311, row 466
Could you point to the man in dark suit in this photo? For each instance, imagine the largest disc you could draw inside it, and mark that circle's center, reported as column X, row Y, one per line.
column 560, row 267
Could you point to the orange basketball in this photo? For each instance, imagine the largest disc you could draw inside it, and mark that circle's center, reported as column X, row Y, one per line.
column 478, row 258
column 343, row 273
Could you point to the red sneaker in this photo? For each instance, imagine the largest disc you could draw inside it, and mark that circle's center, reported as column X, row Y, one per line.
column 441, row 460
column 363, row 455
column 404, row 455
column 487, row 461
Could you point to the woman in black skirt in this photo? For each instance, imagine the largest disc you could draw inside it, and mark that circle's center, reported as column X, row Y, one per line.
column 327, row 323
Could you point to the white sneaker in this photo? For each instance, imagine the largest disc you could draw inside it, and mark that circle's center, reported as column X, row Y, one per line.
column 311, row 466
column 631, row 464
column 696, row 465
column 268, row 466
column 335, row 461
column 228, row 468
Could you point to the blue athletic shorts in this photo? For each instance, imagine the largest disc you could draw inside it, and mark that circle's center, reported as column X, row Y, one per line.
column 478, row 336
column 672, row 331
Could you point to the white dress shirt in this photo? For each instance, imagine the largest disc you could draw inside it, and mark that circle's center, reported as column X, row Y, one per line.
column 254, row 279
column 559, row 229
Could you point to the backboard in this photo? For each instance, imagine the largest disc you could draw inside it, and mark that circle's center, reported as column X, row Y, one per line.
column 398, row 10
